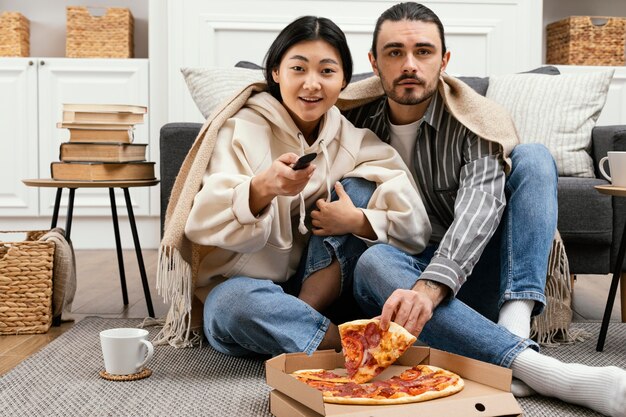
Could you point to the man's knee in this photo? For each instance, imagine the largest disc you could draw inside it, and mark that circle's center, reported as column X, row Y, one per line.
column 534, row 161
column 360, row 190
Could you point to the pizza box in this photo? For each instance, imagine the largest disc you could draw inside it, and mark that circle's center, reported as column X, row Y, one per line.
column 486, row 392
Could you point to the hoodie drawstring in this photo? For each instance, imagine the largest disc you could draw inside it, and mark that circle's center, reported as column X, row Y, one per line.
column 301, row 227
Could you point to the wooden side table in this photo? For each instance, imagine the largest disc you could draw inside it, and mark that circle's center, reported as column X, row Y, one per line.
column 619, row 263
column 111, row 185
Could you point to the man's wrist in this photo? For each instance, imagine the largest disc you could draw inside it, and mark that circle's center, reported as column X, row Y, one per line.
column 435, row 290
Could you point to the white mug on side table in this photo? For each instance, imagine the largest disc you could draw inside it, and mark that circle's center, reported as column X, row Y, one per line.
column 126, row 350
column 617, row 165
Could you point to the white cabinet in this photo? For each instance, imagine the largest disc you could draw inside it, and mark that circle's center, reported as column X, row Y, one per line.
column 18, row 136
column 32, row 91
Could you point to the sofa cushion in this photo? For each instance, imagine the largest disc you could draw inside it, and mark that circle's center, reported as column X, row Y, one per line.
column 480, row 84
column 585, row 215
column 558, row 111
column 210, row 87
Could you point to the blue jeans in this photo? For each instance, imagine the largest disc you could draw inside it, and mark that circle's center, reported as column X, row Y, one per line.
column 454, row 327
column 245, row 316
column 514, row 262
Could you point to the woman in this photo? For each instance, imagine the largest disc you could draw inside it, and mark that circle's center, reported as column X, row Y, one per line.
column 252, row 205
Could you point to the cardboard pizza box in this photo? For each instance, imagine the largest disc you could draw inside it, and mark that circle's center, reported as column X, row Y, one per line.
column 486, row 393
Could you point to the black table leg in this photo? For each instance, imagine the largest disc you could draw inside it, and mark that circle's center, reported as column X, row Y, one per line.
column 57, row 204
column 612, row 292
column 70, row 213
column 142, row 268
column 118, row 246
column 56, row 321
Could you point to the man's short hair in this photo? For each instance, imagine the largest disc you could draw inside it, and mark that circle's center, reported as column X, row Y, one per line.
column 409, row 11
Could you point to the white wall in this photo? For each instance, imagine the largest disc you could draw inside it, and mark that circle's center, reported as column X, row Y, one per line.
column 485, row 36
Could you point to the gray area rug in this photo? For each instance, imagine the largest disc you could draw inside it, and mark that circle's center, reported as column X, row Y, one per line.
column 62, row 379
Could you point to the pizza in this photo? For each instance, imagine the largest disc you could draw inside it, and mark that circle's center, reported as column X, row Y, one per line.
column 419, row 383
column 368, row 350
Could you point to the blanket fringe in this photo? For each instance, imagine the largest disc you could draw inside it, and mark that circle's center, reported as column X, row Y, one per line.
column 552, row 326
column 174, row 284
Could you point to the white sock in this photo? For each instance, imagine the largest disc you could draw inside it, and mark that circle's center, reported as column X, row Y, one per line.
column 515, row 317
column 602, row 389
column 520, row 389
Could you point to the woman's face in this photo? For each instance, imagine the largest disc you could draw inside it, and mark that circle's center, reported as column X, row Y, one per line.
column 310, row 77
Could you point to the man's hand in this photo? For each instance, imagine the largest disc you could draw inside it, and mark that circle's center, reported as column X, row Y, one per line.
column 413, row 308
column 340, row 217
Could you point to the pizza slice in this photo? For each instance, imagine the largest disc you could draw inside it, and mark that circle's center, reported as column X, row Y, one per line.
column 368, row 350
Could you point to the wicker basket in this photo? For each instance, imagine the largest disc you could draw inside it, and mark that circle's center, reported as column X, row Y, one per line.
column 107, row 36
column 14, row 34
column 26, row 284
column 578, row 41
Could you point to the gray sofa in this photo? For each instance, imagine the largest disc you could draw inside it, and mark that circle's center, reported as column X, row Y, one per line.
column 590, row 223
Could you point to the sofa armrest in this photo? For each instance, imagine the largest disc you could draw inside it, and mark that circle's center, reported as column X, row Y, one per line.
column 605, row 139
column 174, row 143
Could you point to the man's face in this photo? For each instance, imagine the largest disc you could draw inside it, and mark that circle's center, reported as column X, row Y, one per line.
column 409, row 60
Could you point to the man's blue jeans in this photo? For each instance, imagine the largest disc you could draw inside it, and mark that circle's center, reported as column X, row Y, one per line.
column 515, row 261
column 244, row 315
column 513, row 266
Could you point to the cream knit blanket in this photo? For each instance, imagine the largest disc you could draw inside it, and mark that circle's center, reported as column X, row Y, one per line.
column 179, row 258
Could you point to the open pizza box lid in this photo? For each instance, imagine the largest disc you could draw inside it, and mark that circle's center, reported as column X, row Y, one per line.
column 486, row 393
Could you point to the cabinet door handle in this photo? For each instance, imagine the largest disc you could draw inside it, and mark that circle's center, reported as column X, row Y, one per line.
column 31, row 63
column 42, row 63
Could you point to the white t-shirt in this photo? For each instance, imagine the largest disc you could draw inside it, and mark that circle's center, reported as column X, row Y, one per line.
column 403, row 138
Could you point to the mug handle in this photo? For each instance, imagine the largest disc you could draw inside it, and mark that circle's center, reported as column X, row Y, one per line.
column 149, row 355
column 601, row 166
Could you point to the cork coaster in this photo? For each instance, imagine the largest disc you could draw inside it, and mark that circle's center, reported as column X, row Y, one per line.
column 132, row 377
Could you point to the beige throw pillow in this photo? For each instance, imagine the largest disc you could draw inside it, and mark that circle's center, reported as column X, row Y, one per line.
column 210, row 87
column 557, row 110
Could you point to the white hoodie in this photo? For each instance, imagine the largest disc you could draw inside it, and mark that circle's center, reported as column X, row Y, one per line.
column 269, row 246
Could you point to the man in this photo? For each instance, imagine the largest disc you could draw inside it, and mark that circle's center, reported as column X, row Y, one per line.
column 461, row 177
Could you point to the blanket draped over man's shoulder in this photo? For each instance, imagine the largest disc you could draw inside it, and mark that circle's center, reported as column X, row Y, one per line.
column 179, row 258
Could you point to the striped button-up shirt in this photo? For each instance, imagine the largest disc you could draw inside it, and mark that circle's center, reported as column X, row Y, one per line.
column 460, row 177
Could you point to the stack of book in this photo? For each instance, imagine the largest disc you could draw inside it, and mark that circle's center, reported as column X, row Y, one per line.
column 100, row 147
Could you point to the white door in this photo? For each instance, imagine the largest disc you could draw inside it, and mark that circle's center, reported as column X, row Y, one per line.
column 96, row 81
column 18, row 136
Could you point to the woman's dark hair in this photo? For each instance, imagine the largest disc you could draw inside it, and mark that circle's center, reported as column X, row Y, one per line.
column 412, row 12
column 306, row 28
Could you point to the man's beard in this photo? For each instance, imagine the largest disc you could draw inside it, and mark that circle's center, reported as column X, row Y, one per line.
column 409, row 97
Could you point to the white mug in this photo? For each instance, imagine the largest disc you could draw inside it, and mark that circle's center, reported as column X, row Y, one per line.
column 126, row 351
column 617, row 165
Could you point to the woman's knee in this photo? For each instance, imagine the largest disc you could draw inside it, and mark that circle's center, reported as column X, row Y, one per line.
column 231, row 302
column 360, row 190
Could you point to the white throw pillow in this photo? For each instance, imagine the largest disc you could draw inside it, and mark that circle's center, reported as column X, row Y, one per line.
column 210, row 87
column 558, row 111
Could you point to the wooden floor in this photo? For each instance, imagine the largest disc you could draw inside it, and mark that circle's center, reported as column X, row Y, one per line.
column 98, row 294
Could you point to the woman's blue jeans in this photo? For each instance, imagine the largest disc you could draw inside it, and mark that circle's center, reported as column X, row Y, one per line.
column 244, row 315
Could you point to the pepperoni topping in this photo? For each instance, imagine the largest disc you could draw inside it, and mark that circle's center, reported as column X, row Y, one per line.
column 372, row 334
column 410, row 374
